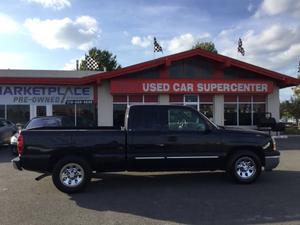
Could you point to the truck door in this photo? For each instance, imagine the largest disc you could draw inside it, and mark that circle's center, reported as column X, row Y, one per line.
column 145, row 148
column 189, row 143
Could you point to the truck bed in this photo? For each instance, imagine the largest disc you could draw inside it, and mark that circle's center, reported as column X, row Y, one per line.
column 105, row 147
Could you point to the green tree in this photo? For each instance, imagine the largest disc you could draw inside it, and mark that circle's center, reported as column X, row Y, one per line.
column 104, row 58
column 296, row 90
column 208, row 46
column 285, row 110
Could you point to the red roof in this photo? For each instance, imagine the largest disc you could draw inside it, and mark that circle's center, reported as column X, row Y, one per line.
column 281, row 79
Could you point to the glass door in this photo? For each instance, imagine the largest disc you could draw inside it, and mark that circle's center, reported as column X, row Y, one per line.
column 41, row 110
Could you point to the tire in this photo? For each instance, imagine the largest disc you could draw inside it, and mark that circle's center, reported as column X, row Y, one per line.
column 14, row 149
column 71, row 174
column 244, row 167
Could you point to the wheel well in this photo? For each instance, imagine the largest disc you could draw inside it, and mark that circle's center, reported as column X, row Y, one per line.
column 55, row 158
column 256, row 151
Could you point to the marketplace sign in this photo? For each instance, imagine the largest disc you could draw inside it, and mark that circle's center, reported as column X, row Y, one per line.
column 131, row 86
column 33, row 94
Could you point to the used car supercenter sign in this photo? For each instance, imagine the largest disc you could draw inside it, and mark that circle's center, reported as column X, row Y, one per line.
column 189, row 86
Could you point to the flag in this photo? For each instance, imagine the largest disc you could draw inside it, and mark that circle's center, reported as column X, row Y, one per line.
column 240, row 47
column 157, row 47
column 299, row 67
column 90, row 63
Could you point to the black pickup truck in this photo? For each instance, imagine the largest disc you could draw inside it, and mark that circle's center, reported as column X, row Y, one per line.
column 155, row 138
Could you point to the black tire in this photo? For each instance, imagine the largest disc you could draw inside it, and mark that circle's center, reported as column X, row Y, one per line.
column 14, row 149
column 71, row 174
column 250, row 170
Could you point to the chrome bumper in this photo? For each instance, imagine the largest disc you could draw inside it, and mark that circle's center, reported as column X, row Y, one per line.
column 271, row 162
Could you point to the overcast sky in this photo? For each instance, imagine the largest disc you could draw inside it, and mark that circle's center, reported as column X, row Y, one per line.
column 52, row 34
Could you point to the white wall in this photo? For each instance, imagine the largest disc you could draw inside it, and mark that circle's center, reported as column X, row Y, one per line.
column 163, row 99
column 219, row 110
column 105, row 105
column 273, row 103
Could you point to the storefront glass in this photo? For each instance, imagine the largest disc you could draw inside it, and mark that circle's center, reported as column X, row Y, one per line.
column 83, row 115
column 18, row 113
column 259, row 110
column 243, row 110
column 230, row 114
column 2, row 111
column 86, row 115
column 245, row 114
column 64, row 110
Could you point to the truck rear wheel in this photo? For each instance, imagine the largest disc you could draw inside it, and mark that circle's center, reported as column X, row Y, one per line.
column 71, row 174
column 244, row 167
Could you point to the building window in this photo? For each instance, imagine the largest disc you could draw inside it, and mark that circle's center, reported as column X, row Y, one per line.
column 243, row 110
column 64, row 110
column 2, row 111
column 230, row 114
column 86, row 115
column 202, row 103
column 82, row 115
column 18, row 113
column 122, row 101
column 196, row 67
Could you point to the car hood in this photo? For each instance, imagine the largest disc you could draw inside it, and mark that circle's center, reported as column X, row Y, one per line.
column 241, row 131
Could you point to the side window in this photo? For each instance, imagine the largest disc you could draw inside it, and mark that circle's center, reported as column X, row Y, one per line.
column 145, row 119
column 180, row 119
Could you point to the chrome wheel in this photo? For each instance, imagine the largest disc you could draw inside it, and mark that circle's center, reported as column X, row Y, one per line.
column 245, row 167
column 71, row 175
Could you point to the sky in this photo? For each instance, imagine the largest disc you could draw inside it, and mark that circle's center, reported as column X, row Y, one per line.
column 53, row 34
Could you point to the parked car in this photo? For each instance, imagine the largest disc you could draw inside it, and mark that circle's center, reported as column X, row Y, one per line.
column 155, row 138
column 39, row 122
column 7, row 129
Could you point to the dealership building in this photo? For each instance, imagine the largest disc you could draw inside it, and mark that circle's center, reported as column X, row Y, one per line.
column 227, row 91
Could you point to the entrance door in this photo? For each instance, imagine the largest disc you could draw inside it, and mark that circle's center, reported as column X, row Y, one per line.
column 41, row 110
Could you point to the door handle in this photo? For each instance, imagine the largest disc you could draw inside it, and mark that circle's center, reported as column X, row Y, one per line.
column 172, row 138
column 161, row 145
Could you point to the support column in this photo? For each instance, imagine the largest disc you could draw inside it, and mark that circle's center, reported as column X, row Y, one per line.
column 218, row 115
column 163, row 99
column 49, row 110
column 105, row 105
column 273, row 103
column 32, row 111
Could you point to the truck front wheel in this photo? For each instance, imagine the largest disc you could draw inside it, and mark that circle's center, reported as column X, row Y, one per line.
column 71, row 174
column 244, row 167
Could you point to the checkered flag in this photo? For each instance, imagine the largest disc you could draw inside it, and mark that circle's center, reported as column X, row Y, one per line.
column 90, row 63
column 157, row 47
column 240, row 47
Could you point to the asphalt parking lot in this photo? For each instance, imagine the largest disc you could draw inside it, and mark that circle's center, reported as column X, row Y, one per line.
column 156, row 198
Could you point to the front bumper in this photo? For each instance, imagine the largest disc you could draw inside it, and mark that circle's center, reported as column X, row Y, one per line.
column 17, row 163
column 271, row 162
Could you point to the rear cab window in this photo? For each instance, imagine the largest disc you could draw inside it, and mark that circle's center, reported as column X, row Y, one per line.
column 146, row 118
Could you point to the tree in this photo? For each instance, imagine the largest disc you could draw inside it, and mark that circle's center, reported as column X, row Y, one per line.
column 296, row 90
column 208, row 46
column 104, row 58
column 285, row 110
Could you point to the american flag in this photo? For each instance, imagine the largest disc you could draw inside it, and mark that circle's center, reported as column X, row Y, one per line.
column 91, row 64
column 240, row 47
column 157, row 47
